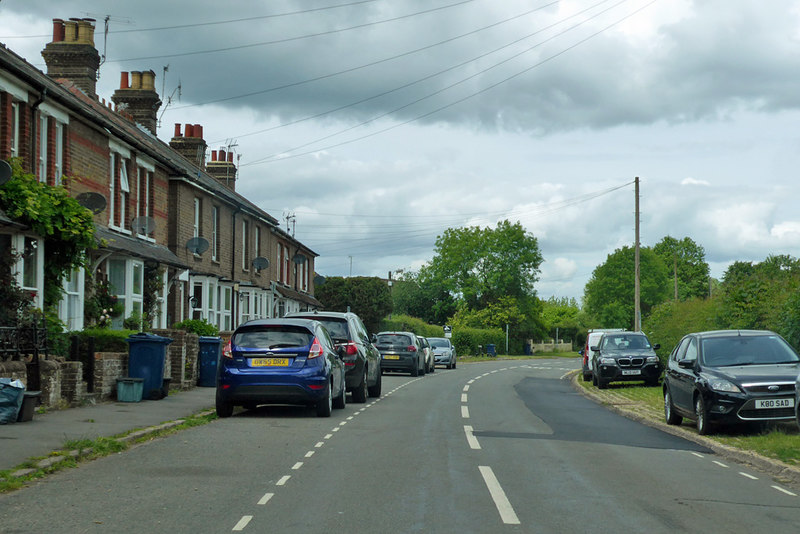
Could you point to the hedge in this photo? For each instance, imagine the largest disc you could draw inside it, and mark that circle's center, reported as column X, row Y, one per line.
column 466, row 340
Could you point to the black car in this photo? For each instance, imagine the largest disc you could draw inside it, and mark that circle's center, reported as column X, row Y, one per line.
column 730, row 376
column 624, row 356
column 361, row 359
column 401, row 351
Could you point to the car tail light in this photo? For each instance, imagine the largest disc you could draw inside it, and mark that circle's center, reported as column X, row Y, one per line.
column 411, row 348
column 350, row 349
column 316, row 349
column 226, row 351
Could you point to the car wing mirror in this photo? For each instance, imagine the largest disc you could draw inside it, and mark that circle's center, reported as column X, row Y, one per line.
column 686, row 364
column 657, row 346
column 580, row 352
column 595, row 348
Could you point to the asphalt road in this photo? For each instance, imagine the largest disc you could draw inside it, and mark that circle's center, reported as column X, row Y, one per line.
column 505, row 446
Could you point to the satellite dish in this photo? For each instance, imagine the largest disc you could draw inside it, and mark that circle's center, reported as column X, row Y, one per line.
column 260, row 262
column 319, row 280
column 94, row 202
column 299, row 258
column 197, row 245
column 143, row 225
column 5, row 172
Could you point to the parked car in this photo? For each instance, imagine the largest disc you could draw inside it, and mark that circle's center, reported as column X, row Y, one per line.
column 731, row 376
column 400, row 351
column 427, row 350
column 624, row 356
column 444, row 353
column 280, row 361
column 592, row 339
column 362, row 361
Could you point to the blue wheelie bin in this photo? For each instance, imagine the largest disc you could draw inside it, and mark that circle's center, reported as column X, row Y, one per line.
column 208, row 357
column 491, row 350
column 147, row 354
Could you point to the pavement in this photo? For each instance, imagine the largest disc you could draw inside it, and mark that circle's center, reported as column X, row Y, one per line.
column 48, row 432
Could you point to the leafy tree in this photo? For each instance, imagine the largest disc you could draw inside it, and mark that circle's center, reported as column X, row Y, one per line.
column 418, row 295
column 686, row 260
column 368, row 297
column 562, row 314
column 481, row 265
column 669, row 321
column 609, row 293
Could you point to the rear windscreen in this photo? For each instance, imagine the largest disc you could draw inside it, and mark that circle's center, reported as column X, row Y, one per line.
column 336, row 328
column 275, row 337
column 394, row 339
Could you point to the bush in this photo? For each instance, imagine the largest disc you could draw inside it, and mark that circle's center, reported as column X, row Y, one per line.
column 670, row 321
column 467, row 340
column 406, row 323
column 201, row 327
column 105, row 340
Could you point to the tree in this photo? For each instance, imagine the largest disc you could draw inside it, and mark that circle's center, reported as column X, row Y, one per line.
column 481, row 265
column 367, row 297
column 418, row 295
column 609, row 293
column 560, row 317
column 686, row 260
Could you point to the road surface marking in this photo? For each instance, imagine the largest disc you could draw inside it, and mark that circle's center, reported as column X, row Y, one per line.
column 499, row 496
column 463, row 397
column 471, row 439
column 698, row 455
column 335, row 429
column 243, row 522
column 319, row 444
column 350, row 418
column 471, row 381
column 309, row 454
column 719, row 464
column 265, row 499
column 751, row 477
column 284, row 479
column 465, row 412
column 466, row 388
column 297, row 466
column 343, row 423
column 787, row 492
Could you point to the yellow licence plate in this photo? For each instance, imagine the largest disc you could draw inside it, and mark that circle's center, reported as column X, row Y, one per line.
column 391, row 357
column 269, row 362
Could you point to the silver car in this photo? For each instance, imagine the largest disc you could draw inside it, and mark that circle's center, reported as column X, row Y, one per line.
column 444, row 353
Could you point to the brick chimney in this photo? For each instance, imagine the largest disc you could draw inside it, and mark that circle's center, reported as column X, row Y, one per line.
column 222, row 168
column 139, row 99
column 190, row 145
column 72, row 54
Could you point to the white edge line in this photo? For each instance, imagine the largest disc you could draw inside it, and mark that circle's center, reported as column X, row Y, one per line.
column 502, row 503
column 265, row 499
column 787, row 492
column 243, row 522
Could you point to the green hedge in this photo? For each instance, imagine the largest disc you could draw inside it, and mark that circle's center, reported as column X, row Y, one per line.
column 201, row 327
column 466, row 340
column 105, row 340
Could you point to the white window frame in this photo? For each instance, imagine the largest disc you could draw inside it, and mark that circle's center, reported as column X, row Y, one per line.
column 286, row 266
column 14, row 129
column 196, row 229
column 160, row 319
column 245, row 239
column 123, row 153
column 131, row 301
column 71, row 306
column 225, row 307
column 59, row 163
column 44, row 120
column 18, row 269
column 214, row 231
column 144, row 177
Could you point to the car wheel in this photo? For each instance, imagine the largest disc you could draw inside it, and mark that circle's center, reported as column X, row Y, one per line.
column 224, row 407
column 424, row 368
column 702, row 416
column 433, row 367
column 415, row 370
column 360, row 393
column 341, row 400
column 594, row 379
column 375, row 390
column 651, row 382
column 325, row 405
column 454, row 364
column 587, row 376
column 602, row 384
column 669, row 410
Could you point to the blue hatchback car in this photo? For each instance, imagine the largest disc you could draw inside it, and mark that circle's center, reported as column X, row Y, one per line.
column 280, row 361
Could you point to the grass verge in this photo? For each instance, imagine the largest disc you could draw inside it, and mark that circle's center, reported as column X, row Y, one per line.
column 76, row 451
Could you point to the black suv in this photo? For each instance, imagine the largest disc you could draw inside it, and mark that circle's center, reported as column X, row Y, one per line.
column 361, row 359
column 625, row 356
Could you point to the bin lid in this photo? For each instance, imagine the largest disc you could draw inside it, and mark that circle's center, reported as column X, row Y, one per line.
column 148, row 337
column 208, row 339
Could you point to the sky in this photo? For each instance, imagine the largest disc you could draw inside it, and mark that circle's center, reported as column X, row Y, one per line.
column 374, row 125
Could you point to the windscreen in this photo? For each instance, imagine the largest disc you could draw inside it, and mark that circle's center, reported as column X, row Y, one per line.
column 438, row 342
column 747, row 350
column 394, row 339
column 272, row 337
column 623, row 342
column 337, row 328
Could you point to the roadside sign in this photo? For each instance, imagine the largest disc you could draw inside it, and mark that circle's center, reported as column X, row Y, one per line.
column 448, row 331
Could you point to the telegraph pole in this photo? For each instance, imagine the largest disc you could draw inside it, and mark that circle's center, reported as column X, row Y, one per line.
column 637, row 311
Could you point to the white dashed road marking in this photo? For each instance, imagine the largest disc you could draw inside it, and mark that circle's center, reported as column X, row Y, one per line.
column 463, row 397
column 465, row 412
column 471, row 439
column 265, row 499
column 720, row 464
column 242, row 522
column 284, row 479
column 297, row 466
column 787, row 492
column 499, row 496
column 751, row 477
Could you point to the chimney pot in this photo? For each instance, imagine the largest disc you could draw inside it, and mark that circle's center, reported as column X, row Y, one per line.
column 198, row 131
column 177, row 130
column 123, row 80
column 86, row 31
column 58, row 30
column 213, row 155
column 188, row 130
column 221, row 155
column 70, row 31
column 230, row 157
column 136, row 79
column 148, row 80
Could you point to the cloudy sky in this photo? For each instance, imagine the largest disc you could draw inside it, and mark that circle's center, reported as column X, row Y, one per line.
column 380, row 123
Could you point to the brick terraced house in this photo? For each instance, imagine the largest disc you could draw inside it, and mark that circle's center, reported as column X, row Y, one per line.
column 166, row 219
